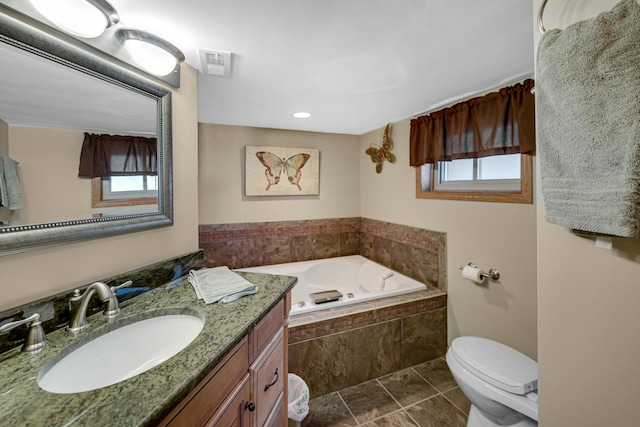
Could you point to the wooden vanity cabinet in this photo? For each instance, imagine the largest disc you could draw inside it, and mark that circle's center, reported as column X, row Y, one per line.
column 249, row 386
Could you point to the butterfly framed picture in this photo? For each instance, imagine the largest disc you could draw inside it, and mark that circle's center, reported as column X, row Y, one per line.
column 281, row 171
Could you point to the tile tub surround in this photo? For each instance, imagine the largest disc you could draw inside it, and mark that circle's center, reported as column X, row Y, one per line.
column 338, row 348
column 54, row 310
column 265, row 243
column 143, row 400
column 414, row 252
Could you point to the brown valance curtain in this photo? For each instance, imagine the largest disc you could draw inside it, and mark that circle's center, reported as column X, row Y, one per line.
column 501, row 122
column 115, row 155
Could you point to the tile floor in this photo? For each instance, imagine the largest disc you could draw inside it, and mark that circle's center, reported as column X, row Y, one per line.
column 424, row 395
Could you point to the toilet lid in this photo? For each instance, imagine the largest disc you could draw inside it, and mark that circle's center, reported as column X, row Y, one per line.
column 497, row 364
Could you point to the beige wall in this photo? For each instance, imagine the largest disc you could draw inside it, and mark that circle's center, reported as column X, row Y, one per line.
column 221, row 187
column 51, row 189
column 499, row 235
column 37, row 274
column 588, row 314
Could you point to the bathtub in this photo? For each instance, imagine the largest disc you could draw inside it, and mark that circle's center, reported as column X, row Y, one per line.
column 355, row 277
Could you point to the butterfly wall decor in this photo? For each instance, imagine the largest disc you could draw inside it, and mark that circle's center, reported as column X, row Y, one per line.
column 380, row 153
column 281, row 171
column 274, row 166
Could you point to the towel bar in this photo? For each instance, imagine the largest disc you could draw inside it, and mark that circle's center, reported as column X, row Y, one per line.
column 540, row 13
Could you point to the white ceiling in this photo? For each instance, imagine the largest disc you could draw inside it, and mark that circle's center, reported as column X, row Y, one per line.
column 354, row 64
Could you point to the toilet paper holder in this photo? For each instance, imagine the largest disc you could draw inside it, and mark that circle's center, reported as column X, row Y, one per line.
column 493, row 274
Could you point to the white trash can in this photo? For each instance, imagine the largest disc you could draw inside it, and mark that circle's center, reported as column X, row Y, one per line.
column 298, row 399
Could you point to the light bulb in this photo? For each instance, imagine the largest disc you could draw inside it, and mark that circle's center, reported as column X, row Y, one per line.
column 77, row 17
column 151, row 58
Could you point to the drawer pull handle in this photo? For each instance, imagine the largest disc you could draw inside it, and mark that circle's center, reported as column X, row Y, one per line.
column 273, row 382
column 250, row 406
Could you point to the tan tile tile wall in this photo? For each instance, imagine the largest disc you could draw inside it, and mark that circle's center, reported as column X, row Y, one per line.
column 266, row 243
column 370, row 342
column 313, row 325
column 414, row 252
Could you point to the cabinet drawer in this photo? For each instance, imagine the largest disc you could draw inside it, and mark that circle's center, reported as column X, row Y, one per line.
column 269, row 375
column 213, row 390
column 266, row 329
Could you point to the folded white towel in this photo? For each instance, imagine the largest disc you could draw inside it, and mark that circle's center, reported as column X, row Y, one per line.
column 213, row 284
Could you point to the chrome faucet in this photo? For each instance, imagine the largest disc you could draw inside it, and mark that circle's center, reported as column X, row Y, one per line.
column 35, row 340
column 79, row 303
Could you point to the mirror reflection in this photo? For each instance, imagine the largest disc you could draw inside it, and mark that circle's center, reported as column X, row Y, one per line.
column 46, row 112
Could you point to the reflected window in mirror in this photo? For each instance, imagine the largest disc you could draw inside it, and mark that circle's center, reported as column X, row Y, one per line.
column 129, row 187
column 112, row 192
column 123, row 170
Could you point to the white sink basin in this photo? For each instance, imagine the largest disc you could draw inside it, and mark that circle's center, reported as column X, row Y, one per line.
column 120, row 354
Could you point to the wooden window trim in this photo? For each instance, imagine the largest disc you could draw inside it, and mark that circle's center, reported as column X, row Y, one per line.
column 97, row 202
column 525, row 195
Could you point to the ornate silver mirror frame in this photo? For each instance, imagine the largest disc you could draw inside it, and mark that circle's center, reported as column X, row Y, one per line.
column 32, row 36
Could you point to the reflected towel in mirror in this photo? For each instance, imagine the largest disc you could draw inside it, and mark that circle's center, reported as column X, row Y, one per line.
column 9, row 184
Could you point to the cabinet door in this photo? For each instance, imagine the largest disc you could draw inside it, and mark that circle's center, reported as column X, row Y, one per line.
column 268, row 376
column 213, row 392
column 237, row 411
column 277, row 417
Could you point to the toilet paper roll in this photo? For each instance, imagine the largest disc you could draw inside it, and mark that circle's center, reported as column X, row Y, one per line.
column 473, row 274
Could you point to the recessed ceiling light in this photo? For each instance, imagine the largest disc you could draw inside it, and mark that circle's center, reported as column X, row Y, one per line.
column 301, row 115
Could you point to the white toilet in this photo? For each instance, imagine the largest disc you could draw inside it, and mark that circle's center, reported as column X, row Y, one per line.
column 500, row 382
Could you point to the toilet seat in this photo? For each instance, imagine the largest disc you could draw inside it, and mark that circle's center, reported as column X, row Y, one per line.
column 497, row 364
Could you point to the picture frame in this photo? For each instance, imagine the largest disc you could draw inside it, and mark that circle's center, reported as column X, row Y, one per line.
column 281, row 171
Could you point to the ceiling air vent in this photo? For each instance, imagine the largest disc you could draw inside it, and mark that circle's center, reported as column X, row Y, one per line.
column 215, row 63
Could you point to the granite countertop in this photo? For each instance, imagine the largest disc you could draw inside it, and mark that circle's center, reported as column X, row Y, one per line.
column 146, row 398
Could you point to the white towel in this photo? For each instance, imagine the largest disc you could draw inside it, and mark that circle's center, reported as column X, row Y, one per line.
column 213, row 284
column 9, row 184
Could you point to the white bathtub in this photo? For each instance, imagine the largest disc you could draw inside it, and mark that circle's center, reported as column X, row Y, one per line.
column 355, row 277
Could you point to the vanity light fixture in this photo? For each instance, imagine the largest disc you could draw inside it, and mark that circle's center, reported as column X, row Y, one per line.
column 301, row 115
column 82, row 18
column 150, row 52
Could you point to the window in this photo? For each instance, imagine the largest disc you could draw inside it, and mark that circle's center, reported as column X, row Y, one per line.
column 504, row 178
column 124, row 191
column 129, row 187
column 480, row 149
column 494, row 173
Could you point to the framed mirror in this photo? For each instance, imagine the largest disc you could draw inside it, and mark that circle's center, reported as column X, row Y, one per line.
column 54, row 90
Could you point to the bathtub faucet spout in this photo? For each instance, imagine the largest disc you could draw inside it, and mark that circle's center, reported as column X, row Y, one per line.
column 384, row 280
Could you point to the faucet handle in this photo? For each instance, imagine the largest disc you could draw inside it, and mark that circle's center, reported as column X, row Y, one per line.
column 12, row 316
column 113, row 307
column 35, row 340
column 124, row 285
